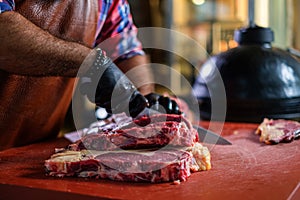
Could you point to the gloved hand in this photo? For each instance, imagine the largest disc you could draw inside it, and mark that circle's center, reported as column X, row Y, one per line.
column 162, row 104
column 107, row 87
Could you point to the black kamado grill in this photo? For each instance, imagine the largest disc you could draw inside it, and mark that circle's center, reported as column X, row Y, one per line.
column 260, row 80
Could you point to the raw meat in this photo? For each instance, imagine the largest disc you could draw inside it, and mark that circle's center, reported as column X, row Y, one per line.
column 156, row 167
column 135, row 166
column 157, row 149
column 274, row 131
column 156, row 134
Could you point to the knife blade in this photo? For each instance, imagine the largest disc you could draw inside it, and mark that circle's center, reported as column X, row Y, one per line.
column 205, row 136
column 209, row 137
column 148, row 112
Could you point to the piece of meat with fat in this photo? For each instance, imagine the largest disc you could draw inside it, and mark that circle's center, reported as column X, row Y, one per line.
column 133, row 166
column 158, row 134
column 158, row 167
column 274, row 131
column 161, row 148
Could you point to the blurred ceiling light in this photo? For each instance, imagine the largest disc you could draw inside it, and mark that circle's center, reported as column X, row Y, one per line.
column 198, row 2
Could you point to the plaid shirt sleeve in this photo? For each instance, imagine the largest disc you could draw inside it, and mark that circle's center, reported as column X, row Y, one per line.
column 116, row 32
column 6, row 5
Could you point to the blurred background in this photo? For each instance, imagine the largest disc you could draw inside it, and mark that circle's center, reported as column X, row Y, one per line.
column 212, row 23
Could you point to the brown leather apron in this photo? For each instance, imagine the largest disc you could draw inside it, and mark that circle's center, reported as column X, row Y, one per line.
column 34, row 108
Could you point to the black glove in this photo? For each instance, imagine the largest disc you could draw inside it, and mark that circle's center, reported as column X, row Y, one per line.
column 107, row 87
column 162, row 104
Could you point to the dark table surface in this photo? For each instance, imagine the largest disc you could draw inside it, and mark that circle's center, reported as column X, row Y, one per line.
column 247, row 169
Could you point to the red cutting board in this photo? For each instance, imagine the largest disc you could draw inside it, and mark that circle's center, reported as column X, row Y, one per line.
column 247, row 169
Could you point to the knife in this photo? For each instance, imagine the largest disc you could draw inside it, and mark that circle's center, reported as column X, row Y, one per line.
column 209, row 137
column 205, row 136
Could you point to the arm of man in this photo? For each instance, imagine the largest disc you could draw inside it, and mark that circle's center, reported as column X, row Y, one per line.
column 28, row 50
column 118, row 38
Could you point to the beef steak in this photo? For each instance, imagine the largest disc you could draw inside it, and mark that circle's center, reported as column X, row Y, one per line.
column 156, row 149
column 156, row 167
column 275, row 131
column 158, row 134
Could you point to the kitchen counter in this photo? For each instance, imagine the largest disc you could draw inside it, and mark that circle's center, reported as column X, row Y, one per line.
column 247, row 169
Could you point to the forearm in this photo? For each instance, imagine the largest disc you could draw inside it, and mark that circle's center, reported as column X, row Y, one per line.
column 28, row 50
column 139, row 72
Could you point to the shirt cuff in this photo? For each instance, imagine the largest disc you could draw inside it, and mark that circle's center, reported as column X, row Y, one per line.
column 130, row 54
